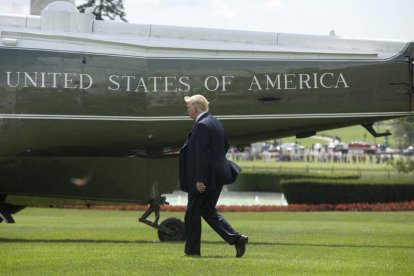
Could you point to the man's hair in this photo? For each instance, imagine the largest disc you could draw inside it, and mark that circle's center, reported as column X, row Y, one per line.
column 199, row 101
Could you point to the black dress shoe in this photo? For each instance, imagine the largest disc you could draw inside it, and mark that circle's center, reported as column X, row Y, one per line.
column 241, row 246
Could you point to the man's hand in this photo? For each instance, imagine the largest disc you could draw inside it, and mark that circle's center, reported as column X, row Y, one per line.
column 200, row 187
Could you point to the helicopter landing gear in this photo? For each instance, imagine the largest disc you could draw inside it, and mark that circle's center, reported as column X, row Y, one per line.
column 6, row 210
column 171, row 229
column 176, row 230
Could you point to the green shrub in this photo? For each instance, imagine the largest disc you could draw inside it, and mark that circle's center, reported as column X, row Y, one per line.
column 319, row 191
column 404, row 165
column 270, row 182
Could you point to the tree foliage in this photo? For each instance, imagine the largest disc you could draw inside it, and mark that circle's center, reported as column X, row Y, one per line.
column 404, row 165
column 105, row 9
column 404, row 130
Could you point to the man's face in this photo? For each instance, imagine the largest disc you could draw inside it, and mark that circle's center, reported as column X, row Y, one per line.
column 192, row 111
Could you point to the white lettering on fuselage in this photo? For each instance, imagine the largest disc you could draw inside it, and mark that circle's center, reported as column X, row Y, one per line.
column 49, row 80
column 327, row 80
column 146, row 84
column 149, row 84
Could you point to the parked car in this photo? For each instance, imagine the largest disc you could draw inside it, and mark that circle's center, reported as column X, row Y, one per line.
column 291, row 147
column 409, row 151
column 341, row 147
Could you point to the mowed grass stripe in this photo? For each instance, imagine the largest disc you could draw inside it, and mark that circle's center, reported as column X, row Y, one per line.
column 96, row 242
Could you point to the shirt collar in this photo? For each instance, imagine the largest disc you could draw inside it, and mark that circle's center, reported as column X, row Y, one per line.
column 199, row 116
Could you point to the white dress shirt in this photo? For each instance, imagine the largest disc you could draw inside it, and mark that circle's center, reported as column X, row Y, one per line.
column 199, row 116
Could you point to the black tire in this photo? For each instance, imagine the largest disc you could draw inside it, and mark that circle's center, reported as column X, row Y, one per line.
column 177, row 227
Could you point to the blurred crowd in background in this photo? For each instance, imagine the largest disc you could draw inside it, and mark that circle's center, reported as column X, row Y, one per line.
column 333, row 151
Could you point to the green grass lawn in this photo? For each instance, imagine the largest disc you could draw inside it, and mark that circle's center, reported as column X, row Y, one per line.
column 314, row 165
column 349, row 134
column 91, row 242
column 364, row 170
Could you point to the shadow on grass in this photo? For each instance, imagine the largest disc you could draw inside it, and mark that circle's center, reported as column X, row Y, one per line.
column 208, row 257
column 5, row 240
column 322, row 245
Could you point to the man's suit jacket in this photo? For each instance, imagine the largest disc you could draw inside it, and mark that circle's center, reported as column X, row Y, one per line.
column 203, row 156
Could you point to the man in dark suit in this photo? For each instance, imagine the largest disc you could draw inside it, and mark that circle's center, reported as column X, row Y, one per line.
column 204, row 169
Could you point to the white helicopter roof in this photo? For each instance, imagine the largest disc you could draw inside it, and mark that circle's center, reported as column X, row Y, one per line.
column 62, row 27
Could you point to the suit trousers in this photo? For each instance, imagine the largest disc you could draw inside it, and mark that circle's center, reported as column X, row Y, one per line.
column 204, row 205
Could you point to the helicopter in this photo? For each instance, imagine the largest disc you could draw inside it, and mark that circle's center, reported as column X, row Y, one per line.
column 93, row 112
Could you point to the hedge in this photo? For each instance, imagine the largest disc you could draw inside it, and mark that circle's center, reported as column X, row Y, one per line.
column 270, row 182
column 325, row 191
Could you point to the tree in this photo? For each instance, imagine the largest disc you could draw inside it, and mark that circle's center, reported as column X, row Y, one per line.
column 404, row 165
column 404, row 130
column 105, row 9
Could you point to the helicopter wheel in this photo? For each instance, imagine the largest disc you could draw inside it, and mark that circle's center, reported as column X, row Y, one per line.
column 176, row 226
